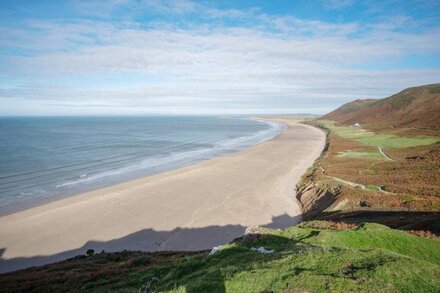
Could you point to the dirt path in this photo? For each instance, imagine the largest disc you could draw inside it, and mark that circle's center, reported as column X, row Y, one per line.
column 383, row 154
column 356, row 185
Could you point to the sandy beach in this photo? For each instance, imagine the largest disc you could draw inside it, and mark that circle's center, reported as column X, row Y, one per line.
column 191, row 208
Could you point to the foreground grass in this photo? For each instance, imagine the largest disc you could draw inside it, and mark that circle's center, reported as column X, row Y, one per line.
column 369, row 258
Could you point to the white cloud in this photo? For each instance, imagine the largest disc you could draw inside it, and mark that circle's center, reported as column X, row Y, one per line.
column 277, row 64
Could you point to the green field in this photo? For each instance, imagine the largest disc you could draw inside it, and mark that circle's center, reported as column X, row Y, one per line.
column 382, row 140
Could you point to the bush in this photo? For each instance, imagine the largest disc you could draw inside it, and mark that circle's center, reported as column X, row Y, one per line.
column 141, row 261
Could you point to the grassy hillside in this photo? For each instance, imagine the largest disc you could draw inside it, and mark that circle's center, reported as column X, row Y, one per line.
column 312, row 257
column 385, row 170
column 413, row 110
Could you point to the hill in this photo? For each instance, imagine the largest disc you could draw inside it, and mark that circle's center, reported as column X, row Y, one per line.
column 416, row 108
column 313, row 257
column 384, row 170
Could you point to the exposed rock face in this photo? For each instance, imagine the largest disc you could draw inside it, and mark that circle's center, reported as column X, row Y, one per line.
column 314, row 200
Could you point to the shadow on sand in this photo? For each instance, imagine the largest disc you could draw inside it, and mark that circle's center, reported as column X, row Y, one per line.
column 159, row 271
column 179, row 239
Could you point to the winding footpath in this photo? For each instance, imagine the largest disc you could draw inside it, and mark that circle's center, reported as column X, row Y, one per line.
column 383, row 154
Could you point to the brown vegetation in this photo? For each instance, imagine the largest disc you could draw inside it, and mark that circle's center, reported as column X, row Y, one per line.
column 355, row 189
column 421, row 233
column 82, row 272
column 414, row 181
column 328, row 225
column 414, row 110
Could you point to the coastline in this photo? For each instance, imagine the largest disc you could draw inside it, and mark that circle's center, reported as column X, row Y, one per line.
column 136, row 169
column 191, row 208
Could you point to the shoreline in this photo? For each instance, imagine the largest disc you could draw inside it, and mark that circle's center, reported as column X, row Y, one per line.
column 249, row 142
column 190, row 208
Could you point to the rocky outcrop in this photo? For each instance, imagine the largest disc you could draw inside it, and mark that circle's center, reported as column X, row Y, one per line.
column 315, row 200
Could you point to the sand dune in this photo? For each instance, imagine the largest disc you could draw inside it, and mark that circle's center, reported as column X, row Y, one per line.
column 195, row 207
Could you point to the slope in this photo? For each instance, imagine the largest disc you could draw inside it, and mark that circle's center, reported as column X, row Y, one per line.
column 416, row 108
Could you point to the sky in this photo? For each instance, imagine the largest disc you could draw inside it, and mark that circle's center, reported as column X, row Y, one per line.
column 179, row 57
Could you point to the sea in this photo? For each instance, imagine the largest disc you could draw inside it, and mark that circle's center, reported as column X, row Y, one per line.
column 46, row 158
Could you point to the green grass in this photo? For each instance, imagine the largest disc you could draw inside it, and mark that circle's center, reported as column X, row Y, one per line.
column 408, row 198
column 371, row 236
column 309, row 257
column 372, row 258
column 389, row 141
column 361, row 155
column 382, row 140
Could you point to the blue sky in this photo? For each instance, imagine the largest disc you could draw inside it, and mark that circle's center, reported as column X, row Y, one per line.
column 136, row 57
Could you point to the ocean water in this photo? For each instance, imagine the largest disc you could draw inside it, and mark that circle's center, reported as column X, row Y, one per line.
column 45, row 158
